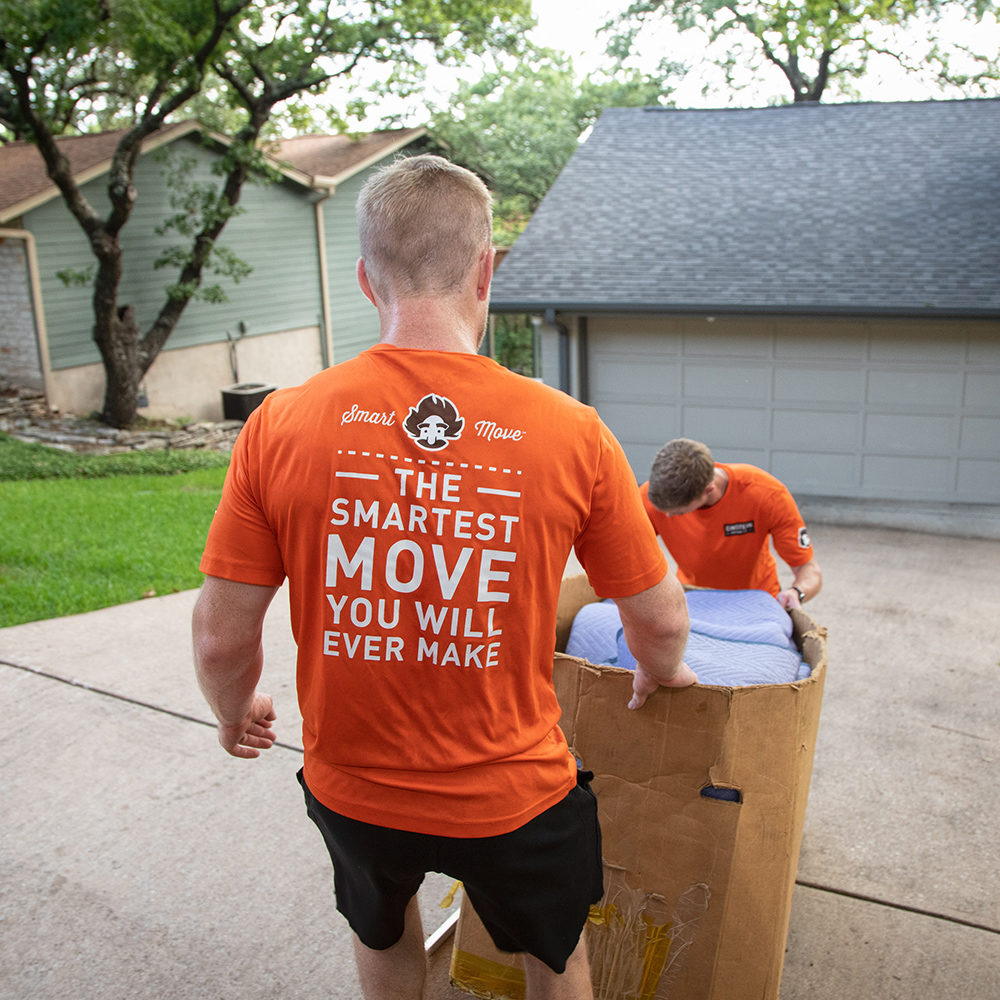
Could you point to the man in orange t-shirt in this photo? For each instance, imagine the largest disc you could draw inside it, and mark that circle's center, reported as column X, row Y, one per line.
column 422, row 502
column 716, row 521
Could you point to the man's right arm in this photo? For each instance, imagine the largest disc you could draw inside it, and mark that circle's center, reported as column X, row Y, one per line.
column 656, row 630
column 227, row 623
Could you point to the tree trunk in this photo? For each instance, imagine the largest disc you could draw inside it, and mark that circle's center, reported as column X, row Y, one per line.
column 122, row 371
column 116, row 336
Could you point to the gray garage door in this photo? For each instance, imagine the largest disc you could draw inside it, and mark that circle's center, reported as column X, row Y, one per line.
column 849, row 408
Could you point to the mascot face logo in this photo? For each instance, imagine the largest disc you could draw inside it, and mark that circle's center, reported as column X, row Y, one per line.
column 434, row 423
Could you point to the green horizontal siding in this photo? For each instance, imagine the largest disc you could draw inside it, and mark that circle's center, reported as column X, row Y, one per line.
column 69, row 316
column 276, row 235
column 354, row 321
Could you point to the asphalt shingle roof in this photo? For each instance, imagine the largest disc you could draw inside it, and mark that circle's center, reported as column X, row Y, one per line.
column 22, row 170
column 23, row 178
column 333, row 156
column 817, row 208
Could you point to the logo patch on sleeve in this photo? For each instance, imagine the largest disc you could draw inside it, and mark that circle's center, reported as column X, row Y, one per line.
column 739, row 528
column 804, row 540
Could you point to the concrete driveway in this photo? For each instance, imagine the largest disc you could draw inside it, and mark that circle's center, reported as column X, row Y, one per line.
column 140, row 861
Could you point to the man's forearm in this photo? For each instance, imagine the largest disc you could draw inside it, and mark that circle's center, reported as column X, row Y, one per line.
column 808, row 579
column 228, row 682
column 226, row 627
column 660, row 654
column 656, row 628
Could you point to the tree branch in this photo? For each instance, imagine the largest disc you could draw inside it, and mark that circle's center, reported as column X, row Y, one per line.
column 56, row 164
column 121, row 190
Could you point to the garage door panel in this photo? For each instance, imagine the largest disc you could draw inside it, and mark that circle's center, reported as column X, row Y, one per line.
column 819, row 474
column 908, row 388
column 819, row 385
column 980, row 435
column 646, row 377
column 634, row 333
column 982, row 389
column 744, row 453
column 894, row 348
column 742, row 342
column 979, row 477
column 813, row 341
column 730, row 427
column 642, row 422
column 823, row 431
column 909, row 433
column 984, row 351
column 726, row 383
column 921, row 477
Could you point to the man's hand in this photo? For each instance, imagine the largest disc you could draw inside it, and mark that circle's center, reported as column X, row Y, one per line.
column 644, row 683
column 807, row 578
column 789, row 599
column 252, row 733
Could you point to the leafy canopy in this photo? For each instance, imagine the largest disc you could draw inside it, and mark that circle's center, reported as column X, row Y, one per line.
column 518, row 125
column 88, row 64
column 821, row 45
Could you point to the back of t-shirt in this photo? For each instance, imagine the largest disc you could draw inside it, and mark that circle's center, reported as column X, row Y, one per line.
column 423, row 505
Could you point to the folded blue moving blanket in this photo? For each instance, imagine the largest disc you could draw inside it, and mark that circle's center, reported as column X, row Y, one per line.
column 738, row 637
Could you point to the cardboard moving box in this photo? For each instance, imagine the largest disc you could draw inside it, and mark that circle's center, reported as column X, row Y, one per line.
column 702, row 796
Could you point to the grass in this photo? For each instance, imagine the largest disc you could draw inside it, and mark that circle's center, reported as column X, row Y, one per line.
column 82, row 532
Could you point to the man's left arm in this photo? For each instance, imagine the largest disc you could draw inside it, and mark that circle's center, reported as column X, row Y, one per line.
column 807, row 581
column 227, row 625
column 793, row 544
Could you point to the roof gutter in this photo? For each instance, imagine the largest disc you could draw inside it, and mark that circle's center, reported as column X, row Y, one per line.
column 577, row 308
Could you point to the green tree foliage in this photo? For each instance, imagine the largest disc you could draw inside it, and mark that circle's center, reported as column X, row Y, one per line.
column 513, row 343
column 518, row 126
column 824, row 45
column 68, row 66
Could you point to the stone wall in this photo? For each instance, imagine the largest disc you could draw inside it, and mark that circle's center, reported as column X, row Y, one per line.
column 25, row 415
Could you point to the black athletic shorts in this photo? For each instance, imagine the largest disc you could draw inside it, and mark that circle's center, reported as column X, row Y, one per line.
column 532, row 887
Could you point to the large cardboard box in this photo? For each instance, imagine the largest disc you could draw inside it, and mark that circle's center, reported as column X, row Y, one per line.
column 702, row 796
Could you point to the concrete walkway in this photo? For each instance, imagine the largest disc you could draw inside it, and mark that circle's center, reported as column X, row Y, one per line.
column 139, row 861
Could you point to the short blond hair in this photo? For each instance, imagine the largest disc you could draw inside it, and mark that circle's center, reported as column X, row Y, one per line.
column 681, row 471
column 423, row 222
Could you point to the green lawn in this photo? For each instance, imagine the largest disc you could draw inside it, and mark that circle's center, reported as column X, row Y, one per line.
column 85, row 532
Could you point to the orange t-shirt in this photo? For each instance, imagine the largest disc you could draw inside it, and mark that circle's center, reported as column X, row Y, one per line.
column 725, row 546
column 423, row 505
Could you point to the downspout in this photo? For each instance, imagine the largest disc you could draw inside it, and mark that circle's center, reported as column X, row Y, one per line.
column 563, row 349
column 489, row 345
column 326, row 340
column 583, row 359
column 35, row 287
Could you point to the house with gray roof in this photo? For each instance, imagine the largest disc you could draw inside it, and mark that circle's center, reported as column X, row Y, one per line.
column 299, row 309
column 812, row 288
